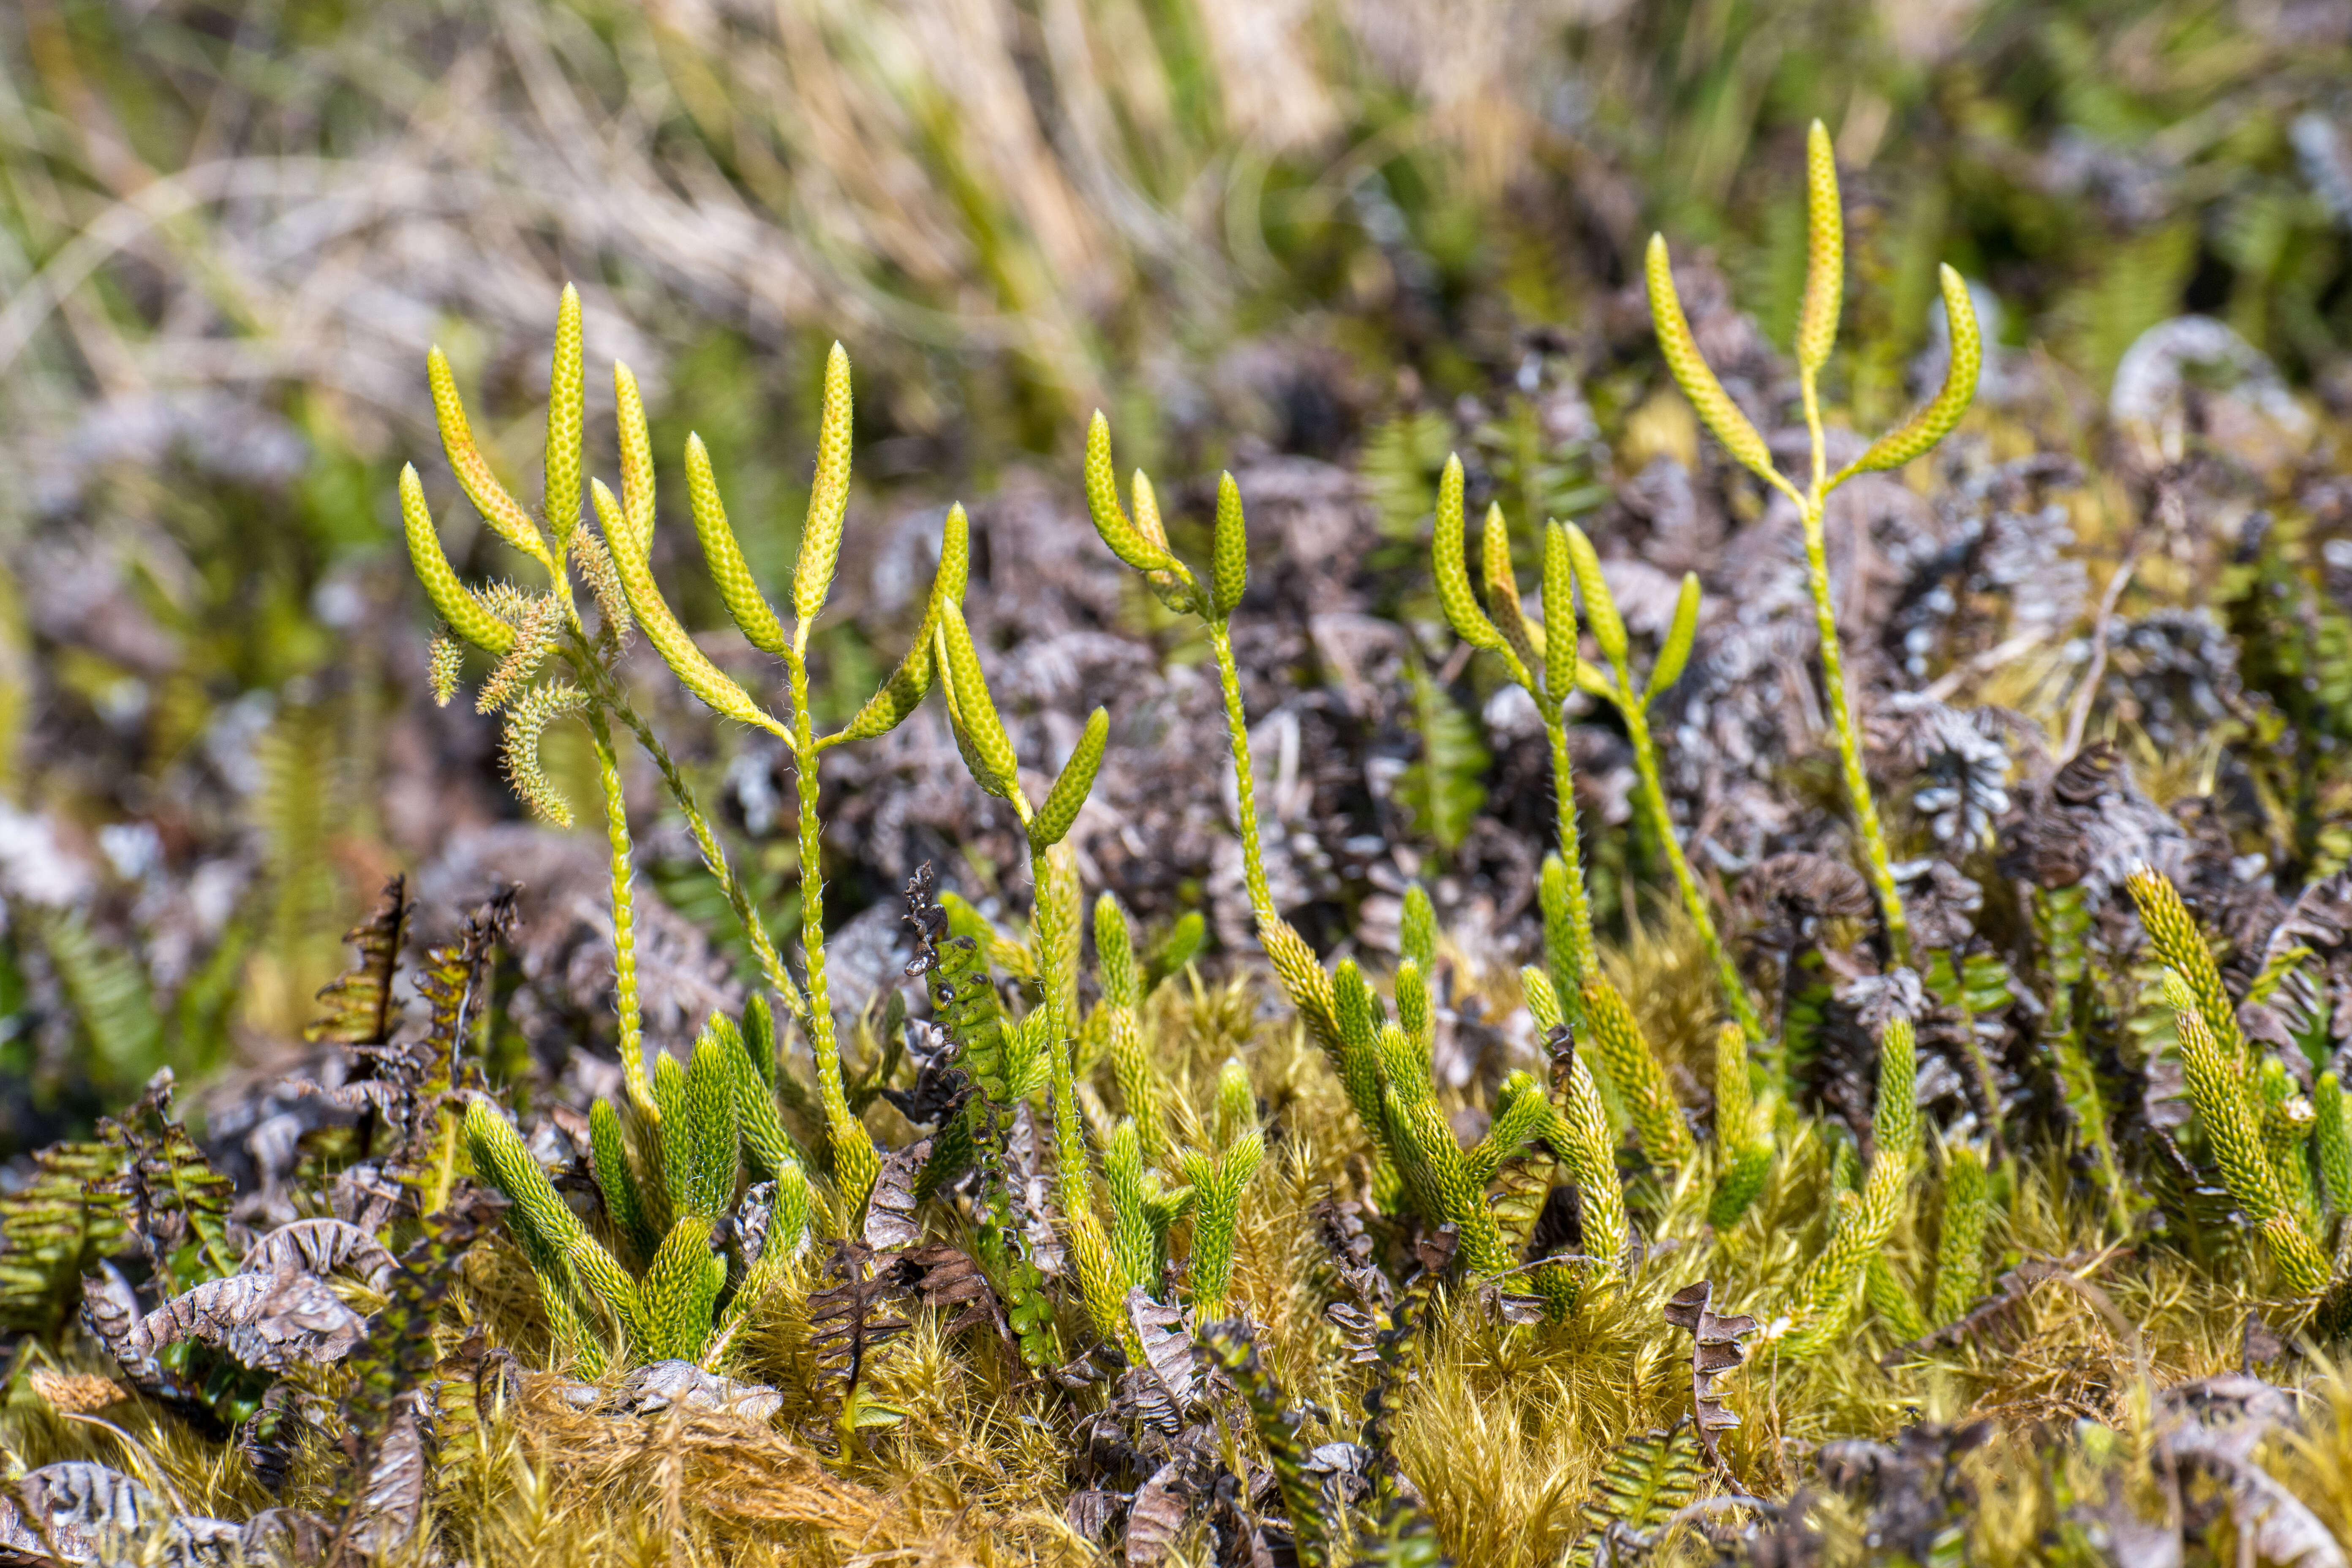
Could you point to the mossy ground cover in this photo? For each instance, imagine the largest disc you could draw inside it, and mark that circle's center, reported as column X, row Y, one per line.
column 1694, row 954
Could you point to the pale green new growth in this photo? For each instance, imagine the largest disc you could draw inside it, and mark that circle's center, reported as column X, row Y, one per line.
column 904, row 692
column 2226, row 1105
column 1060, row 807
column 1959, row 1245
column 1451, row 567
column 636, row 461
column 987, row 749
column 1229, row 563
column 459, row 608
column 1824, row 1298
column 1743, row 1138
column 724, row 556
column 1817, row 319
column 1134, row 546
column 1692, row 373
column 507, row 518
column 1941, row 414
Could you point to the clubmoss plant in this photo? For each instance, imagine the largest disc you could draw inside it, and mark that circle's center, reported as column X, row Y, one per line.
column 1055, row 917
column 1617, row 687
column 1542, row 659
column 526, row 631
column 1960, row 1238
column 1129, row 1253
column 1142, row 541
column 1816, row 333
column 664, row 1197
column 2232, row 1107
column 1824, row 1298
column 1384, row 1064
column 1743, row 1131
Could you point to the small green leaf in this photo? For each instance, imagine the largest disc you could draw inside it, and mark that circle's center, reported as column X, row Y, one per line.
column 456, row 603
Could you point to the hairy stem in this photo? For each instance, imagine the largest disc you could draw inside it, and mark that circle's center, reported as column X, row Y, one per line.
column 1054, row 877
column 1876, row 863
column 625, row 940
column 1653, row 799
column 855, row 1162
column 706, row 837
column 1571, row 853
column 1229, row 680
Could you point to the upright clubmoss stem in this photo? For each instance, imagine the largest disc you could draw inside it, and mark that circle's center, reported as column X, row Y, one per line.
column 1054, row 880
column 1816, row 334
column 1877, row 864
column 1653, row 796
column 855, row 1162
column 1811, row 388
column 624, row 940
column 1811, row 505
column 706, row 841
column 1229, row 680
column 1571, row 856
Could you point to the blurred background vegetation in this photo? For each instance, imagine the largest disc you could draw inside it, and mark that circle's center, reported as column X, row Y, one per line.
column 229, row 231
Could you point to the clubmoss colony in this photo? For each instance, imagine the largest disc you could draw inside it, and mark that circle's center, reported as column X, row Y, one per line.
column 1095, row 1260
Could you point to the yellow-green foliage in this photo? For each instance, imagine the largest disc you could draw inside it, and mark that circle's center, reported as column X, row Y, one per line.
column 1816, row 334
column 1199, row 1155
